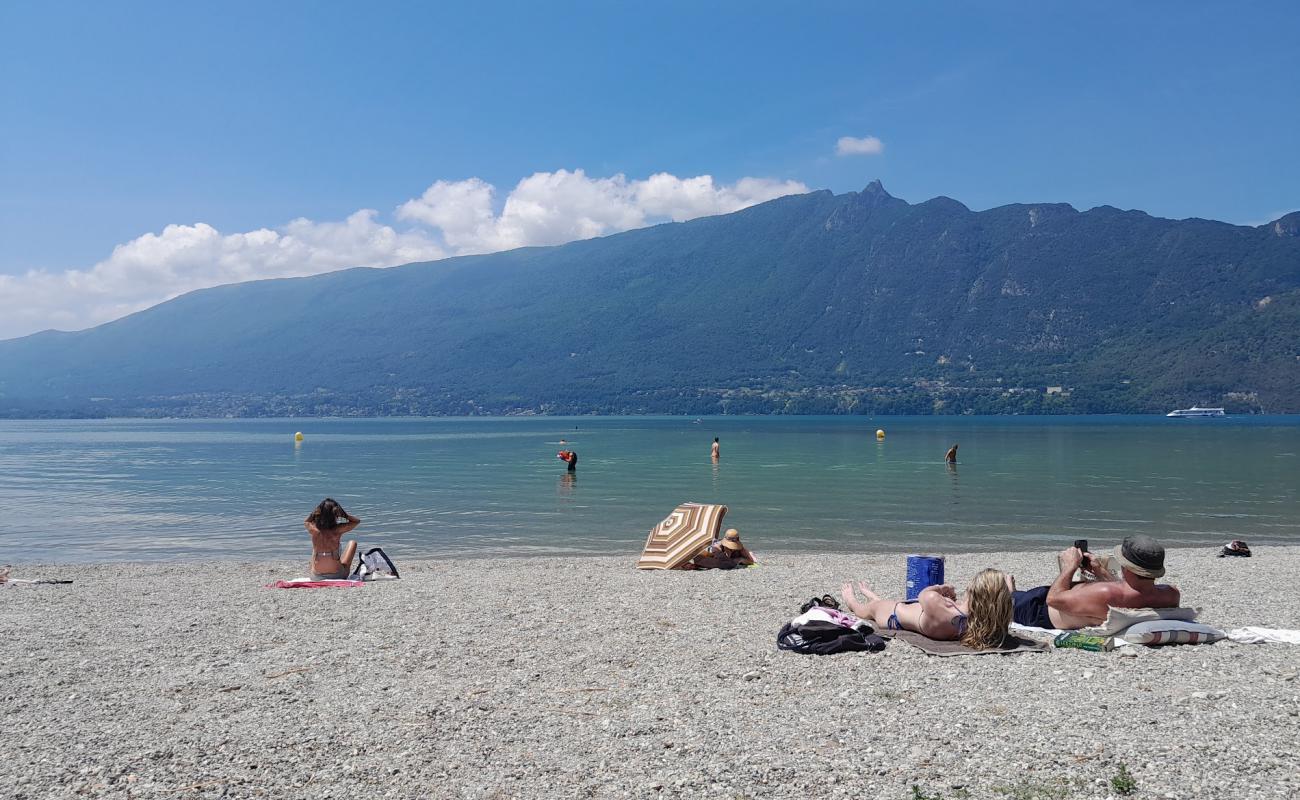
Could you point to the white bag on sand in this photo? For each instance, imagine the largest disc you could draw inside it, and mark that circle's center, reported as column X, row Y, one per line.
column 374, row 565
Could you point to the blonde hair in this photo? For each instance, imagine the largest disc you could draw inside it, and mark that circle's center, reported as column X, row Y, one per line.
column 989, row 610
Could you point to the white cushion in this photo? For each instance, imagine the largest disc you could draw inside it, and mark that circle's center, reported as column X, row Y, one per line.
column 1166, row 631
column 1118, row 619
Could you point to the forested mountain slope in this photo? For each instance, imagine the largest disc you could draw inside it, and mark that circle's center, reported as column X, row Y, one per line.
column 858, row 303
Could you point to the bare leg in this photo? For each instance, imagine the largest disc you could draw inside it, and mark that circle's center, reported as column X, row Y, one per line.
column 875, row 609
column 879, row 609
column 851, row 601
column 866, row 591
column 348, row 553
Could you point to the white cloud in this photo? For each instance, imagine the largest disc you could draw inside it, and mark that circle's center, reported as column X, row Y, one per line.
column 561, row 206
column 449, row 218
column 854, row 146
column 157, row 267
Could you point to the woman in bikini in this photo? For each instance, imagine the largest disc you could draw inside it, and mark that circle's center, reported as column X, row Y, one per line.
column 980, row 620
column 327, row 523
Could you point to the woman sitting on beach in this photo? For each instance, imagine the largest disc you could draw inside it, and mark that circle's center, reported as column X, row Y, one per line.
column 726, row 553
column 327, row 523
column 980, row 621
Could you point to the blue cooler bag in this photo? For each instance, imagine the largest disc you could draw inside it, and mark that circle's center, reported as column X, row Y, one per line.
column 923, row 571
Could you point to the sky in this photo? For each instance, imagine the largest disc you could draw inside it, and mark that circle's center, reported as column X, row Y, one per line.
column 149, row 149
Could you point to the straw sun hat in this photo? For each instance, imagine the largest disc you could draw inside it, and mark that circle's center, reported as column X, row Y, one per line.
column 731, row 540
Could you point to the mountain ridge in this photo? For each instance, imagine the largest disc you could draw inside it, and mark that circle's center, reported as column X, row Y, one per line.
column 852, row 303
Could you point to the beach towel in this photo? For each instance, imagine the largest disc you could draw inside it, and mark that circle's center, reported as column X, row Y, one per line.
column 1252, row 635
column 5, row 580
column 306, row 583
column 937, row 647
column 841, row 618
column 1117, row 621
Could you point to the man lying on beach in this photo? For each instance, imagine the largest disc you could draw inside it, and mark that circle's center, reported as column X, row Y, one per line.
column 980, row 621
column 1069, row 605
column 327, row 523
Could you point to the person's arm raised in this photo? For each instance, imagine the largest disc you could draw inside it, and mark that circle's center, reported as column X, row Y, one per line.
column 1080, row 599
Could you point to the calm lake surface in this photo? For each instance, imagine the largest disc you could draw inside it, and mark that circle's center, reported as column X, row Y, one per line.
column 107, row 490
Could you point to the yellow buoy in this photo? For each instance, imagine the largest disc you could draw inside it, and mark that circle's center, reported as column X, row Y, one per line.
column 297, row 437
column 880, row 433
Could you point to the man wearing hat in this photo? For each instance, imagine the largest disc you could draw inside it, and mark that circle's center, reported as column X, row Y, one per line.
column 1067, row 605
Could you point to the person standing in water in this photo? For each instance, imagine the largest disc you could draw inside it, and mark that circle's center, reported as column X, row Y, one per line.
column 951, row 456
column 569, row 457
column 327, row 523
column 717, row 449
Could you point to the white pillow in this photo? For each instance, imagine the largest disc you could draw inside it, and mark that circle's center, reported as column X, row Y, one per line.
column 1165, row 631
column 1118, row 619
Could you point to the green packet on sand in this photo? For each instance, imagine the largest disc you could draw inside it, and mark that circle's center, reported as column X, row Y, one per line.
column 1084, row 641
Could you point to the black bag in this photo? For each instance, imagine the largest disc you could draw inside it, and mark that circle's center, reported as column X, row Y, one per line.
column 820, row 638
column 1236, row 548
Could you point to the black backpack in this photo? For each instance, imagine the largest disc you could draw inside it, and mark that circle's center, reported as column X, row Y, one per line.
column 818, row 638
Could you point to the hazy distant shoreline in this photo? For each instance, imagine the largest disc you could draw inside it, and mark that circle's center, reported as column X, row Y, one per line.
column 200, row 417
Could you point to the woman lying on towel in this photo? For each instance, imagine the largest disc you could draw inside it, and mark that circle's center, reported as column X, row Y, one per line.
column 327, row 523
column 979, row 621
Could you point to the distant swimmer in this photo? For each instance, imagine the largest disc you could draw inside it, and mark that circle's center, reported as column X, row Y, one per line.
column 717, row 449
column 569, row 457
column 951, row 457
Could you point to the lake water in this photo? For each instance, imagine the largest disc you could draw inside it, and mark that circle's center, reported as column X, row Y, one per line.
column 186, row 489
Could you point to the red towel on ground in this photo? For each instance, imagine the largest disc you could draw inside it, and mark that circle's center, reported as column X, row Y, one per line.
column 338, row 584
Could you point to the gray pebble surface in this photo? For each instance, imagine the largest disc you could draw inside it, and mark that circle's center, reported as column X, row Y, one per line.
column 583, row 677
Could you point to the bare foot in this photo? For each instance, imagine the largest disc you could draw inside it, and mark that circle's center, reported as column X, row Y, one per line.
column 1011, row 582
column 846, row 594
column 866, row 592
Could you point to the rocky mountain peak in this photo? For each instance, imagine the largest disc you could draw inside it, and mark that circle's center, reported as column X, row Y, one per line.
column 876, row 188
column 1288, row 225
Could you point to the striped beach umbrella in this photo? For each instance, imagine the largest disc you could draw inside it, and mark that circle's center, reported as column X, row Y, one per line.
column 681, row 535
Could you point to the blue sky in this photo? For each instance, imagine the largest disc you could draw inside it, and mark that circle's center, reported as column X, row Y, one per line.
column 121, row 119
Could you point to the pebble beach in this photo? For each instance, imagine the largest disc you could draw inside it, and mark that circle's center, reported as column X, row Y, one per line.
column 583, row 677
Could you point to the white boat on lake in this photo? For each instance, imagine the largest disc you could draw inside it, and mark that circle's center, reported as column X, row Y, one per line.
column 1196, row 411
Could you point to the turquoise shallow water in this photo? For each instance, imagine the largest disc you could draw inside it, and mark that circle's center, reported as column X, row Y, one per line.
column 161, row 489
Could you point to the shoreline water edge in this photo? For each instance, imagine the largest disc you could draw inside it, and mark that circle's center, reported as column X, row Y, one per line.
column 583, row 677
